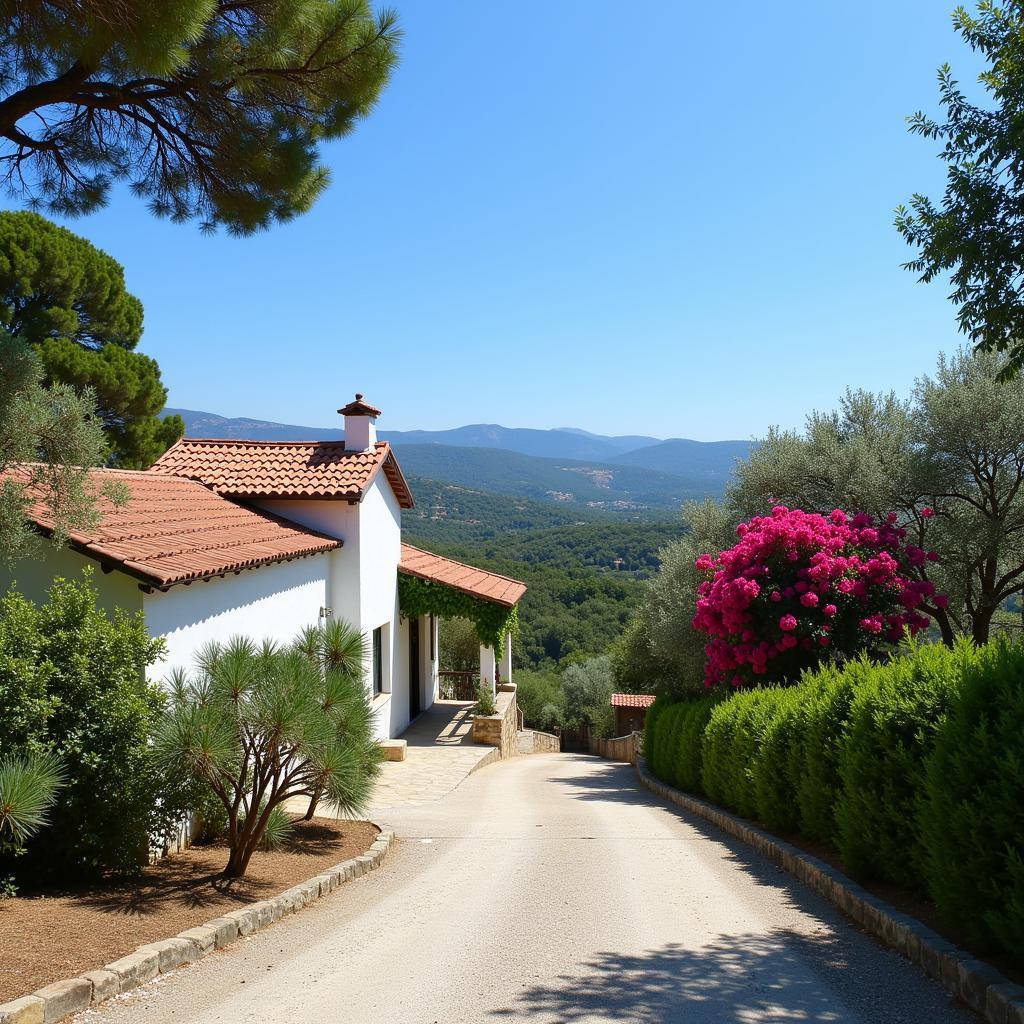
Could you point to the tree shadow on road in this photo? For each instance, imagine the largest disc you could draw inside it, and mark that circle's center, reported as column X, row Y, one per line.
column 778, row 976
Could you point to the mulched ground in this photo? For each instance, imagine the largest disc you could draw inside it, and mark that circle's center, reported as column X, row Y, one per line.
column 49, row 935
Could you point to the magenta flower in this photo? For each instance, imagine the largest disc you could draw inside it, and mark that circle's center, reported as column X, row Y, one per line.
column 787, row 623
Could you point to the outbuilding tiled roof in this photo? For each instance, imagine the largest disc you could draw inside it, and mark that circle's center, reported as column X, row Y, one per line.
column 632, row 700
column 283, row 469
column 488, row 586
column 172, row 530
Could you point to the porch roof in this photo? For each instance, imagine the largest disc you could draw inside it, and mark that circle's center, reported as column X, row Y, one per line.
column 488, row 586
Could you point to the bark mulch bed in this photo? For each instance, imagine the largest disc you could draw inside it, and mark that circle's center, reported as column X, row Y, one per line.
column 58, row 933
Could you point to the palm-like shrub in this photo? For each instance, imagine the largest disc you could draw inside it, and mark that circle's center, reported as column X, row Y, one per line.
column 261, row 725
column 28, row 789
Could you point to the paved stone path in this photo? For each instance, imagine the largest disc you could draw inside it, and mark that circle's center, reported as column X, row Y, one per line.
column 440, row 755
column 553, row 889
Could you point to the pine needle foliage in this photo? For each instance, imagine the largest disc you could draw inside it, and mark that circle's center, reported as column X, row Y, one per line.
column 261, row 724
column 28, row 789
column 211, row 110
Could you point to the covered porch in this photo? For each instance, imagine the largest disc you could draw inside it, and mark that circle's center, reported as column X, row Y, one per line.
column 432, row 587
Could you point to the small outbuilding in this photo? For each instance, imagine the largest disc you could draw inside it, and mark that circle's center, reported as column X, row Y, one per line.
column 630, row 711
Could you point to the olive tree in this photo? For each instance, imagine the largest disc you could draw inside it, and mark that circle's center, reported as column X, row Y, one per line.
column 949, row 462
column 260, row 725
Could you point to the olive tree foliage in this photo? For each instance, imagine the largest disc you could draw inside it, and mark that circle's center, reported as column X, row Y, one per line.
column 587, row 688
column 661, row 652
column 975, row 233
column 949, row 462
column 211, row 109
column 69, row 301
column 51, row 434
column 460, row 646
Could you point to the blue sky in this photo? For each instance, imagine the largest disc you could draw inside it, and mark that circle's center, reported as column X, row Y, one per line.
column 665, row 217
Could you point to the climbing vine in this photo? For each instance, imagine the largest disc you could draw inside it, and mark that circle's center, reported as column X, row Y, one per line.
column 493, row 622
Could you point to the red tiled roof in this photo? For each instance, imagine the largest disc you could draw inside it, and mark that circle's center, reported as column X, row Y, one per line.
column 632, row 700
column 477, row 582
column 173, row 530
column 283, row 469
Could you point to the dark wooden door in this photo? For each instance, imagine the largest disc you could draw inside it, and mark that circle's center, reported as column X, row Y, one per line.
column 414, row 668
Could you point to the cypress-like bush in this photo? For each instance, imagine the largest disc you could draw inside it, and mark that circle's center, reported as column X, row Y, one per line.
column 824, row 711
column 733, row 737
column 896, row 713
column 654, row 749
column 777, row 762
column 972, row 816
column 690, row 743
column 673, row 725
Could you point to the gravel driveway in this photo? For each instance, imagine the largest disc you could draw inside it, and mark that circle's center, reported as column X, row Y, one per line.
column 551, row 888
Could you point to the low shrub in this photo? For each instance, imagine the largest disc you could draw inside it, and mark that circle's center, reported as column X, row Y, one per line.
column 895, row 716
column 776, row 765
column 972, row 814
column 735, row 732
column 824, row 710
column 912, row 769
column 688, row 756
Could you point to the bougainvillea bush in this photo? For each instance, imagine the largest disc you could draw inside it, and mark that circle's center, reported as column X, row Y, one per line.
column 800, row 587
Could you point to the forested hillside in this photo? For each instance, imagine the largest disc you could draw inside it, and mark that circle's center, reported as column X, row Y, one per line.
column 578, row 601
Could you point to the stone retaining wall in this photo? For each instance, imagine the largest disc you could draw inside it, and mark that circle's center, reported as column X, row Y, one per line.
column 977, row 983
column 500, row 729
column 621, row 748
column 530, row 741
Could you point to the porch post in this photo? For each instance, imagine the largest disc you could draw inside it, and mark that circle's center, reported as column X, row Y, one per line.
column 487, row 666
column 506, row 660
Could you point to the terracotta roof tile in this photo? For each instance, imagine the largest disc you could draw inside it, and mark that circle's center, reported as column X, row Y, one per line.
column 632, row 700
column 477, row 582
column 172, row 530
column 283, row 469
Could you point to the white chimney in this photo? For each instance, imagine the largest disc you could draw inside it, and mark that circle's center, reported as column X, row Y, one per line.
column 360, row 425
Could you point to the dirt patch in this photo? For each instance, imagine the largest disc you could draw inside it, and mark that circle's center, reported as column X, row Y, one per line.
column 53, row 934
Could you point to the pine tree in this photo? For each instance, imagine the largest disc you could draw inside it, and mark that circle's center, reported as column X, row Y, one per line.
column 211, row 109
column 68, row 300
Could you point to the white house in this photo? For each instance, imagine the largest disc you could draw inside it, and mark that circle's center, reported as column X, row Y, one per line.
column 222, row 537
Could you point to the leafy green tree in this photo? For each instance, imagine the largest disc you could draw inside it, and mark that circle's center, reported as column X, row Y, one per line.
column 587, row 689
column 949, row 463
column 68, row 299
column 539, row 696
column 460, row 646
column 260, row 725
column 976, row 232
column 52, row 435
column 662, row 652
column 210, row 109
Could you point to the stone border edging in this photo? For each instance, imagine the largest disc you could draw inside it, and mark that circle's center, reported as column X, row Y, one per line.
column 57, row 1000
column 984, row 989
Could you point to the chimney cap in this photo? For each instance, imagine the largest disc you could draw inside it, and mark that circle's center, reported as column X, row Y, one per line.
column 358, row 408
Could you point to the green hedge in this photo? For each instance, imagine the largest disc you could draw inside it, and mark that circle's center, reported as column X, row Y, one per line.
column 912, row 769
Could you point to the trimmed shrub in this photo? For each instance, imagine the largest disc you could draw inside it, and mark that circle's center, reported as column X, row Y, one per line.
column 777, row 760
column 733, row 737
column 972, row 816
column 824, row 712
column 654, row 748
column 894, row 719
column 690, row 743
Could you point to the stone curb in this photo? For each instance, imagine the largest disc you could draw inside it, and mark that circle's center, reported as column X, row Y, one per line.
column 979, row 985
column 61, row 998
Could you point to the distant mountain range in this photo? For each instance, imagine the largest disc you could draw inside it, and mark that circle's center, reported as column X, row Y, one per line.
column 621, row 474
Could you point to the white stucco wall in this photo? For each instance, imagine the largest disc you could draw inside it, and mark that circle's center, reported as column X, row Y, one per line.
column 362, row 585
column 269, row 602
column 34, row 576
